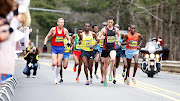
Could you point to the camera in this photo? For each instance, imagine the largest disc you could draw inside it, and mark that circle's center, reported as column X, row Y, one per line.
column 34, row 50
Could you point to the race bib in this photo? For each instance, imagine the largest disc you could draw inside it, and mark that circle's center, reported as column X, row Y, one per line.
column 59, row 39
column 88, row 43
column 101, row 43
column 78, row 46
column 110, row 39
column 133, row 44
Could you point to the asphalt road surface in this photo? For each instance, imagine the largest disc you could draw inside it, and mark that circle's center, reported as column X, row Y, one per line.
column 163, row 87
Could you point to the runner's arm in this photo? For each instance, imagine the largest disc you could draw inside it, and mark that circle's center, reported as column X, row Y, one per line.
column 67, row 35
column 124, row 40
column 100, row 34
column 72, row 40
column 119, row 36
column 48, row 35
column 140, row 36
column 95, row 36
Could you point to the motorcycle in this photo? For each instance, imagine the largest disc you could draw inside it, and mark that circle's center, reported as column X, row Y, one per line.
column 151, row 63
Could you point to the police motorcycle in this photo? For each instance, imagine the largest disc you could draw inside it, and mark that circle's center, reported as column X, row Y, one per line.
column 151, row 64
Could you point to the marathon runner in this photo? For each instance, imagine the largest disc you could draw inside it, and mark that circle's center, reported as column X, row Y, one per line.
column 101, row 43
column 58, row 34
column 67, row 50
column 109, row 47
column 88, row 44
column 96, row 51
column 77, row 52
column 132, row 51
column 118, row 55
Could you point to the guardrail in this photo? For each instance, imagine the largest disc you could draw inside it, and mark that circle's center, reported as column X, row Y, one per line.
column 7, row 85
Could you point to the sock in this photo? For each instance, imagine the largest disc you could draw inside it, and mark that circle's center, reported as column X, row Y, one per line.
column 57, row 72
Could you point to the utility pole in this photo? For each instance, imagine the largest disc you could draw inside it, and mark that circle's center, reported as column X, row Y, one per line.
column 37, row 37
column 75, row 21
column 117, row 16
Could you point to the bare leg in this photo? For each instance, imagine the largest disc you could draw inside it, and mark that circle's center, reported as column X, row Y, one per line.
column 136, row 64
column 116, row 66
column 96, row 62
column 85, row 60
column 79, row 69
column 113, row 57
column 106, row 64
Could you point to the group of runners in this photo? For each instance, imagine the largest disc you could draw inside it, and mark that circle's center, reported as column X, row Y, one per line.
column 105, row 45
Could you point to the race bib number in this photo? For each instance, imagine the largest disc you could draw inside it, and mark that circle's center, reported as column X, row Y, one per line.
column 101, row 43
column 59, row 39
column 110, row 39
column 78, row 46
column 133, row 44
column 88, row 43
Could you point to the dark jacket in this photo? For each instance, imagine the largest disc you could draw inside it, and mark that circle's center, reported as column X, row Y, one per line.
column 30, row 57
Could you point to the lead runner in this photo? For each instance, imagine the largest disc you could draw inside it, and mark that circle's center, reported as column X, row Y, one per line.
column 58, row 34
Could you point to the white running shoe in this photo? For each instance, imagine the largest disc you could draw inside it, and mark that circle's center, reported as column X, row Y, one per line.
column 33, row 76
column 134, row 81
column 97, row 77
column 91, row 80
column 52, row 67
column 56, row 81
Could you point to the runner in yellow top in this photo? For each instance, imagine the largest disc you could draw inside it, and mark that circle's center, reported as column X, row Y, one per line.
column 88, row 44
column 67, row 50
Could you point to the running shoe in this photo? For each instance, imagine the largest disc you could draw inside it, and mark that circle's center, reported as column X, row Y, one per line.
column 91, row 80
column 134, row 81
column 110, row 77
column 74, row 69
column 87, row 82
column 114, row 81
column 97, row 77
column 61, row 81
column 102, row 80
column 52, row 67
column 77, row 80
column 123, row 74
column 127, row 81
column 34, row 76
column 105, row 83
column 55, row 81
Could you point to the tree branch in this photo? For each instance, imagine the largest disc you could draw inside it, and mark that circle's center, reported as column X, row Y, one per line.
column 145, row 10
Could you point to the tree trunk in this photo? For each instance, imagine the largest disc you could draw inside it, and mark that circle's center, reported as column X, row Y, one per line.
column 161, row 23
column 157, row 21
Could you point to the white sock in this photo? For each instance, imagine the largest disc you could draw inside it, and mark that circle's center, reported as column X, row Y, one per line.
column 57, row 72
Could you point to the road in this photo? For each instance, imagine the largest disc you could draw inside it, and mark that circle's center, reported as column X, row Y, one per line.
column 163, row 87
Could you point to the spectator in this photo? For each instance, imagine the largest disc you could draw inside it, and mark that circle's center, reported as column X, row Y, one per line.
column 31, row 57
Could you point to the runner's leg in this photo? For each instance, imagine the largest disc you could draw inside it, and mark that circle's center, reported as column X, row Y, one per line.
column 96, row 64
column 113, row 57
column 90, row 65
column 54, row 60
column 85, row 60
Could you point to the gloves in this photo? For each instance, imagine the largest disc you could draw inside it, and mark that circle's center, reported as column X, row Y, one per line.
column 68, row 44
column 44, row 49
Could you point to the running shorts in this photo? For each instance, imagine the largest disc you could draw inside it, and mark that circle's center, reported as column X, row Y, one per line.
column 57, row 49
column 88, row 54
column 130, row 53
column 77, row 53
column 66, row 55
